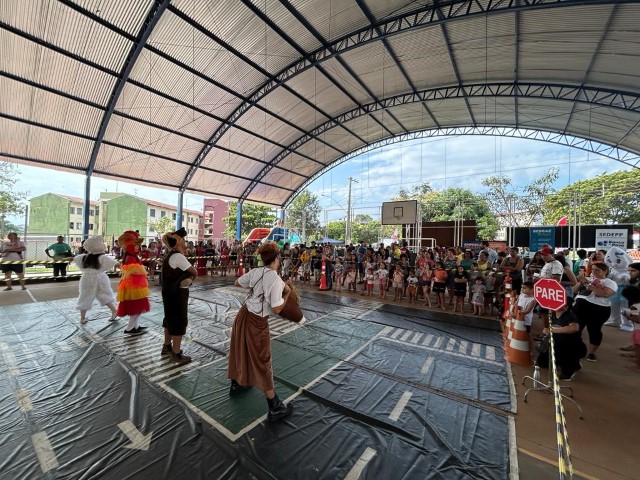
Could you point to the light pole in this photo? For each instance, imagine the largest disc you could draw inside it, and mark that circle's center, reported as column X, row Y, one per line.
column 341, row 208
column 347, row 239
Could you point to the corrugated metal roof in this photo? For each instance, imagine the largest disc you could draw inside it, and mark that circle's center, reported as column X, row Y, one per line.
column 248, row 100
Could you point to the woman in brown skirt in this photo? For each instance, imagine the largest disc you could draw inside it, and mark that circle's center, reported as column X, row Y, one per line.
column 250, row 348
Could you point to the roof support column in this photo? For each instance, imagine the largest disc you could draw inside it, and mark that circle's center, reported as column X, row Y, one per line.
column 239, row 221
column 179, row 214
column 87, row 206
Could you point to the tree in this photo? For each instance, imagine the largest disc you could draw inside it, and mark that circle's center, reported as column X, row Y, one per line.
column 10, row 200
column 336, row 229
column 162, row 225
column 605, row 199
column 306, row 204
column 519, row 210
column 253, row 216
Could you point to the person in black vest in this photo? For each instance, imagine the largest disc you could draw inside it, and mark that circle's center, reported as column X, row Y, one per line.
column 177, row 275
column 569, row 347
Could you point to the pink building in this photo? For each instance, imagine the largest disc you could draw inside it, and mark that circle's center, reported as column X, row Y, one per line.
column 214, row 212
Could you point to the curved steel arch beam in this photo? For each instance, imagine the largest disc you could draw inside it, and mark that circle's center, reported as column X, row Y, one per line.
column 428, row 15
column 600, row 97
column 606, row 150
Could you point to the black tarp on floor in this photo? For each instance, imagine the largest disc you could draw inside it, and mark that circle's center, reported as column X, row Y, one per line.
column 380, row 391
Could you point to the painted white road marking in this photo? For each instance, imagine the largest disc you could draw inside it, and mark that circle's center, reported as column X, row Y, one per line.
column 79, row 342
column 44, row 451
column 463, row 346
column 33, row 299
column 416, row 338
column 356, row 470
column 490, row 353
column 427, row 339
column 475, row 350
column 23, row 400
column 451, row 345
column 406, row 336
column 397, row 411
column 397, row 333
column 427, row 365
column 138, row 440
column 438, row 343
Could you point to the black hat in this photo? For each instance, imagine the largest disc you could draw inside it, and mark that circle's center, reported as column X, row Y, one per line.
column 181, row 232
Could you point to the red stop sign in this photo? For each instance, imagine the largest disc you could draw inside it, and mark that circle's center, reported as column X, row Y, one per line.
column 550, row 294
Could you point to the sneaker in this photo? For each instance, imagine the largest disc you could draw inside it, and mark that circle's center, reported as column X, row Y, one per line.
column 626, row 327
column 592, row 357
column 140, row 327
column 628, row 348
column 282, row 410
column 134, row 331
column 180, row 357
column 7, row 289
column 611, row 323
column 166, row 350
column 237, row 389
column 568, row 378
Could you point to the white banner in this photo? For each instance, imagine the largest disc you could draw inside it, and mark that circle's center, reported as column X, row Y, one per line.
column 605, row 239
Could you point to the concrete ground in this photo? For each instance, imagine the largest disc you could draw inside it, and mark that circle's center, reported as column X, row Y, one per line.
column 603, row 444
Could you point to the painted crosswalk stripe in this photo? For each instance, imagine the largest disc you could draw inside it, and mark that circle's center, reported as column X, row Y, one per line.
column 438, row 343
column 490, row 353
column 361, row 463
column 451, row 345
column 24, row 400
column 475, row 350
column 416, row 338
column 385, row 331
column 427, row 365
column 406, row 336
column 463, row 346
column 79, row 342
column 427, row 339
column 44, row 451
column 397, row 333
column 171, row 373
column 397, row 410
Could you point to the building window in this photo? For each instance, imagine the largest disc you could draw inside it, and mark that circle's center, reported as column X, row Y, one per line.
column 91, row 226
column 72, row 210
column 91, row 213
column 97, row 211
column 163, row 214
column 151, row 230
column 152, row 212
column 190, row 232
column 71, row 225
column 79, row 210
column 78, row 226
column 173, row 216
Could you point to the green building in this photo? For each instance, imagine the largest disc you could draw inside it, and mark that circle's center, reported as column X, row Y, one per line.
column 52, row 214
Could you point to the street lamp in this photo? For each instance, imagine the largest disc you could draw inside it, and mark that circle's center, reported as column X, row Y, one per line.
column 341, row 208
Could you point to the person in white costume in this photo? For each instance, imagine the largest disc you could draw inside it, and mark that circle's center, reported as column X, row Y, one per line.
column 94, row 283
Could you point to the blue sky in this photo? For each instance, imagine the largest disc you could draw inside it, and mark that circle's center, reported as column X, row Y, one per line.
column 443, row 161
column 451, row 162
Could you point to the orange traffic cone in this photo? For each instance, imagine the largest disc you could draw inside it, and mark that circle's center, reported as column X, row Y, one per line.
column 518, row 348
column 323, row 276
column 240, row 271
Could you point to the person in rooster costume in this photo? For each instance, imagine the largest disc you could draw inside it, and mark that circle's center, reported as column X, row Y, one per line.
column 133, row 290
